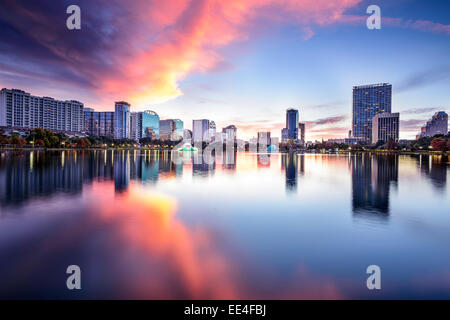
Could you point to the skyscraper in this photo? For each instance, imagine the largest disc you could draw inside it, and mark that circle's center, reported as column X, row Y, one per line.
column 284, row 135
column 20, row 109
column 369, row 100
column 292, row 124
column 264, row 138
column 179, row 129
column 229, row 133
column 167, row 130
column 200, row 130
column 100, row 124
column 122, row 120
column 385, row 127
column 438, row 124
column 301, row 128
column 212, row 130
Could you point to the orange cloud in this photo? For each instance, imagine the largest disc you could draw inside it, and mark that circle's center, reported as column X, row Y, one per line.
column 184, row 36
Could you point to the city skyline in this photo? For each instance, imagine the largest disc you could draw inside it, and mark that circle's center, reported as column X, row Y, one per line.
column 176, row 64
column 20, row 109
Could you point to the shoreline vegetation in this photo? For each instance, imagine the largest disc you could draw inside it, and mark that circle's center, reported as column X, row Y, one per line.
column 40, row 139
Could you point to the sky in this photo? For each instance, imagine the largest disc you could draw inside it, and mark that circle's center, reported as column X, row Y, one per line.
column 241, row 62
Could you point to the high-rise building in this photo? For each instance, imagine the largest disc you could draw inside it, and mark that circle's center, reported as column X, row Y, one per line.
column 229, row 133
column 200, row 130
column 369, row 100
column 167, row 130
column 99, row 124
column 20, row 109
column 179, row 129
column 302, row 131
column 385, row 127
column 144, row 125
column 284, row 135
column 264, row 138
column 438, row 124
column 292, row 124
column 212, row 130
column 122, row 121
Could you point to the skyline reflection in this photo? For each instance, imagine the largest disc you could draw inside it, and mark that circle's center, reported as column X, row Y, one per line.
column 142, row 225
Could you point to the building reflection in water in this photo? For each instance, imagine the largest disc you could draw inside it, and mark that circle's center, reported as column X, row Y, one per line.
column 434, row 168
column 24, row 175
column 229, row 160
column 291, row 163
column 372, row 177
column 203, row 165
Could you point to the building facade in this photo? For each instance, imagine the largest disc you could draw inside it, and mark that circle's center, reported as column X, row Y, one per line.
column 23, row 110
column 100, row 124
column 212, row 130
column 369, row 100
column 179, row 129
column 438, row 124
column 229, row 133
column 144, row 125
column 200, row 130
column 385, row 127
column 264, row 138
column 302, row 131
column 292, row 124
column 167, row 130
column 122, row 120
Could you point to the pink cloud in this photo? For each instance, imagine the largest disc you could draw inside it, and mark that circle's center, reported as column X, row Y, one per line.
column 187, row 36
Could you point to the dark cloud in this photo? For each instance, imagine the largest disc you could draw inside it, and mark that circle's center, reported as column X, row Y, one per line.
column 425, row 78
column 420, row 110
column 35, row 42
column 412, row 124
column 326, row 121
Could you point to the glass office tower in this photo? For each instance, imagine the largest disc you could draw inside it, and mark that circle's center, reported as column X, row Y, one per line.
column 368, row 101
column 150, row 124
column 292, row 124
column 200, row 130
column 179, row 129
column 122, row 120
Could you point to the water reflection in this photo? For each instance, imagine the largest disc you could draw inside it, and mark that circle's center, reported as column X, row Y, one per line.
column 291, row 163
column 434, row 168
column 372, row 178
column 142, row 225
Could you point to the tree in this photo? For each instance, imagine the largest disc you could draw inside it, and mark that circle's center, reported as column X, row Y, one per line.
column 17, row 141
column 391, row 144
column 439, row 144
column 40, row 143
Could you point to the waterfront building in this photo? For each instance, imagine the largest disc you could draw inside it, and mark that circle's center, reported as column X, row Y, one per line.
column 212, row 130
column 368, row 100
column 167, row 130
column 20, row 109
column 122, row 121
column 385, row 127
column 200, row 130
column 179, row 129
column 229, row 133
column 284, row 135
column 438, row 124
column 264, row 138
column 302, row 131
column 292, row 125
column 99, row 124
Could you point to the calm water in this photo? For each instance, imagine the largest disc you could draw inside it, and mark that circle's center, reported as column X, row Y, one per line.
column 278, row 226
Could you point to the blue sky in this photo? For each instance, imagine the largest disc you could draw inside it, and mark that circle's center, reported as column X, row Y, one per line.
column 242, row 63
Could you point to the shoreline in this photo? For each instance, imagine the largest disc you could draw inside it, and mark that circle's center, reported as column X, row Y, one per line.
column 426, row 152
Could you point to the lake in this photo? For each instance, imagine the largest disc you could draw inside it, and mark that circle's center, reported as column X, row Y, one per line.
column 160, row 225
